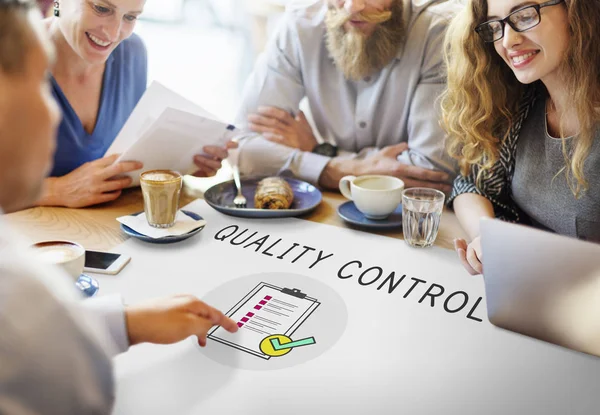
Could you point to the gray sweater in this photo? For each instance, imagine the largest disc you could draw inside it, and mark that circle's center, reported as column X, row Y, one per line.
column 542, row 194
column 523, row 184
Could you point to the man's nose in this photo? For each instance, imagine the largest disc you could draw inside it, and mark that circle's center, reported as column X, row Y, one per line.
column 354, row 6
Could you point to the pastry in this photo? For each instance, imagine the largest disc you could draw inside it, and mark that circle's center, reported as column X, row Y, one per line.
column 273, row 193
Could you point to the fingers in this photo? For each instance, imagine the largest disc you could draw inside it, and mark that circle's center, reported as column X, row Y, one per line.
column 460, row 245
column 276, row 138
column 116, row 184
column 216, row 152
column 205, row 163
column 208, row 164
column 200, row 328
column 301, row 118
column 231, row 145
column 423, row 174
column 216, row 317
column 261, row 129
column 120, row 168
column 262, row 121
column 228, row 324
column 443, row 187
column 103, row 198
column 106, row 161
column 201, row 309
column 202, row 341
column 207, row 317
column 276, row 113
column 474, row 261
column 204, row 173
column 394, row 150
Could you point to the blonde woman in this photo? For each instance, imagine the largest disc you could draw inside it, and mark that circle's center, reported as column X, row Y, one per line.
column 522, row 111
column 99, row 75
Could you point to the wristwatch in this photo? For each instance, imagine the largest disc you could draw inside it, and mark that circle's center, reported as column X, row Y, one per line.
column 326, row 149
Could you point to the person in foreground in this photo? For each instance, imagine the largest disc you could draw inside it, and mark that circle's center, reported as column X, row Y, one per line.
column 522, row 111
column 99, row 75
column 371, row 71
column 56, row 349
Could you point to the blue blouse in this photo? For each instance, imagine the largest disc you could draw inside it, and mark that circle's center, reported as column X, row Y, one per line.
column 124, row 83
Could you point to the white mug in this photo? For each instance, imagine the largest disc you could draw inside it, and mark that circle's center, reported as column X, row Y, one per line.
column 375, row 196
column 70, row 256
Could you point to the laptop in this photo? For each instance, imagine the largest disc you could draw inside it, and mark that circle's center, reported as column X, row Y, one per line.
column 542, row 285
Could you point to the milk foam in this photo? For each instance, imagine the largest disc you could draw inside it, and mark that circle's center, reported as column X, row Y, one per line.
column 58, row 254
column 159, row 177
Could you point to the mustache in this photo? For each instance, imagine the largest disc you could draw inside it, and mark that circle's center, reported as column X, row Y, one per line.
column 339, row 17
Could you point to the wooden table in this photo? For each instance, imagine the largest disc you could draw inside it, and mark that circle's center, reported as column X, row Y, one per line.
column 96, row 227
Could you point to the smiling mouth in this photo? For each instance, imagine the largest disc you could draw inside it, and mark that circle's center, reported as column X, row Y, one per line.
column 517, row 60
column 98, row 42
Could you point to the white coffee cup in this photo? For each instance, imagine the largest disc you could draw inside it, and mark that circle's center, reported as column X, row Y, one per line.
column 69, row 256
column 375, row 196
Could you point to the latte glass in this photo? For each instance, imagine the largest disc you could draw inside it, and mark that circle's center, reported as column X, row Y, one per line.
column 161, row 190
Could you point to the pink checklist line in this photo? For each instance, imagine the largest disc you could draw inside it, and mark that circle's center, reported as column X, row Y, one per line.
column 258, row 306
column 245, row 319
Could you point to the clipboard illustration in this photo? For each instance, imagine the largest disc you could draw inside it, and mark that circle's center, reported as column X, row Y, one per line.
column 267, row 310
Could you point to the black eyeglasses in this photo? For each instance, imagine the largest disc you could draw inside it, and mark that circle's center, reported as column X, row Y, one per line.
column 520, row 20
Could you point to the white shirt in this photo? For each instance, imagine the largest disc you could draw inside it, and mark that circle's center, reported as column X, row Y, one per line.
column 55, row 348
column 396, row 105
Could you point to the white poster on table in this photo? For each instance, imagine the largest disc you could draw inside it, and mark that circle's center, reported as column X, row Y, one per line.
column 396, row 330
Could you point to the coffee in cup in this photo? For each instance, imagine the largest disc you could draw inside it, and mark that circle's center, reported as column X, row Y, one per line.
column 69, row 256
column 376, row 196
column 161, row 190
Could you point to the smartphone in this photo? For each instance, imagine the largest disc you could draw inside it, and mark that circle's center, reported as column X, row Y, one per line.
column 105, row 262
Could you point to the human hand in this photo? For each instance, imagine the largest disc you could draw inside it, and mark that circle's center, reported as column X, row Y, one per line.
column 172, row 319
column 209, row 162
column 281, row 127
column 385, row 161
column 470, row 255
column 92, row 183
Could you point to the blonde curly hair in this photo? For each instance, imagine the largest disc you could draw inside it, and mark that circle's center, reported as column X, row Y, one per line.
column 483, row 92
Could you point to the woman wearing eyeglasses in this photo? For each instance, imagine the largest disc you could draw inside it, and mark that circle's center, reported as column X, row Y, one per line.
column 522, row 111
column 98, row 77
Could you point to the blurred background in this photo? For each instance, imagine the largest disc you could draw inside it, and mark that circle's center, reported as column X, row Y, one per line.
column 205, row 49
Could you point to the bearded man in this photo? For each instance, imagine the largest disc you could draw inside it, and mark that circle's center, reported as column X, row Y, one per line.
column 371, row 71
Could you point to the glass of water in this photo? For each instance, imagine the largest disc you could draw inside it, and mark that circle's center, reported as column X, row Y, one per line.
column 421, row 213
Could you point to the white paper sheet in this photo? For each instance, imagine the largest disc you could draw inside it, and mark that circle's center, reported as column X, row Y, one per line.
column 165, row 130
column 155, row 100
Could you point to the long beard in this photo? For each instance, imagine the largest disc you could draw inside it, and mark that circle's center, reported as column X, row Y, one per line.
column 357, row 55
